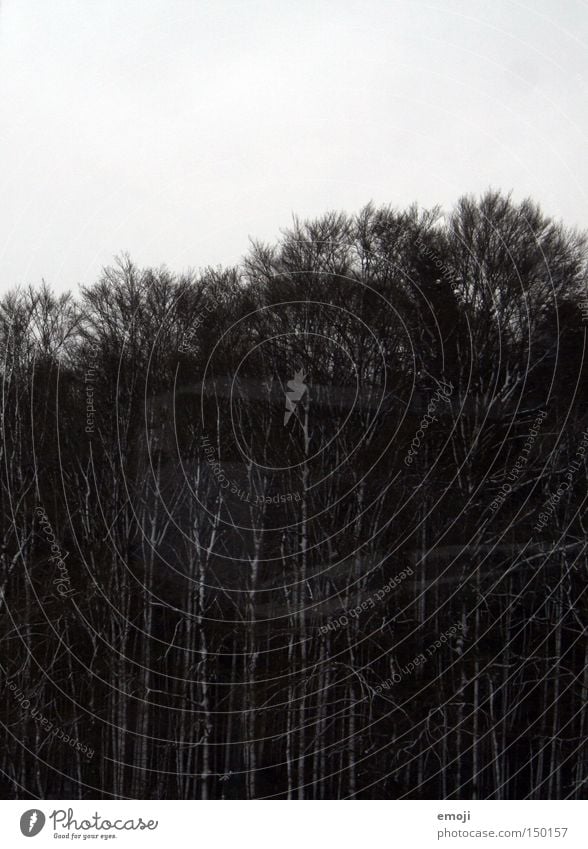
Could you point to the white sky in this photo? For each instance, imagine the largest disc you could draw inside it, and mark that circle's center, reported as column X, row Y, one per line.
column 176, row 129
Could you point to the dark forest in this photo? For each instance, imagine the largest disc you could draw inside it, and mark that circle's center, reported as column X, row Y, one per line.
column 311, row 527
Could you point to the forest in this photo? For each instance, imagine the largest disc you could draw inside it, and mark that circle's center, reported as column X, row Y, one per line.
column 308, row 527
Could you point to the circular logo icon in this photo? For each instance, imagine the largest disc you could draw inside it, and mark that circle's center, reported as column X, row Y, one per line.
column 32, row 822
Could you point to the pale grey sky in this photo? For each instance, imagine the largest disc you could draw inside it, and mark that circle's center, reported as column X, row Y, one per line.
column 176, row 129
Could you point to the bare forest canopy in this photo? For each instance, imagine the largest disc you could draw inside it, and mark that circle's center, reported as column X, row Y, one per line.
column 310, row 527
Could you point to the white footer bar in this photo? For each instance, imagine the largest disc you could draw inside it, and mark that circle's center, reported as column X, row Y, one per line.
column 291, row 825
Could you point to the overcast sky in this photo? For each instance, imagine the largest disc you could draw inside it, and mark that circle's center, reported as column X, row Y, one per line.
column 176, row 129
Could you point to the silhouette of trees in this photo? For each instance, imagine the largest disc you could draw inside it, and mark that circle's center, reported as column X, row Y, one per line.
column 363, row 602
